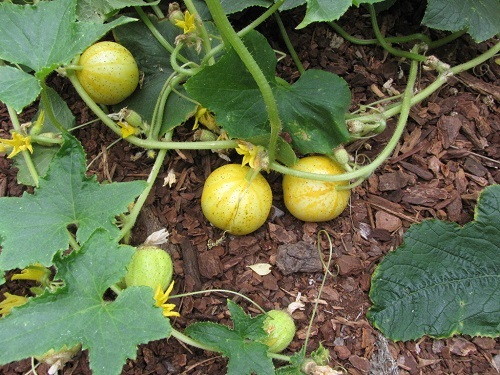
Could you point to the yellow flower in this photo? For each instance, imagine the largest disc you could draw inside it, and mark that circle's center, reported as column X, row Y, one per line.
column 10, row 301
column 126, row 129
column 161, row 301
column 37, row 273
column 204, row 117
column 252, row 155
column 188, row 24
column 18, row 143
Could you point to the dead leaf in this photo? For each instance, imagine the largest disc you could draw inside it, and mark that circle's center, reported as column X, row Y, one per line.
column 261, row 269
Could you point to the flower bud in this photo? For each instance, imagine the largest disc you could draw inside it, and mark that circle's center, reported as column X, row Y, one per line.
column 174, row 13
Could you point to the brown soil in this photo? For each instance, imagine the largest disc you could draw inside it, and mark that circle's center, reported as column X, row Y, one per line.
column 448, row 154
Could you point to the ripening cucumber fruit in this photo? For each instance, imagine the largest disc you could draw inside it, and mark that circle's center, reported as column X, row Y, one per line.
column 311, row 200
column 280, row 329
column 233, row 204
column 150, row 266
column 108, row 72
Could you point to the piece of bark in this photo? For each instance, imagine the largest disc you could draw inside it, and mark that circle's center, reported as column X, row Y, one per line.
column 394, row 181
column 448, row 129
column 191, row 270
column 420, row 172
column 480, row 86
column 298, row 257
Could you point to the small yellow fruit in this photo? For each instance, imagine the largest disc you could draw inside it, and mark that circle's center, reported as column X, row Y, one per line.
column 230, row 203
column 311, row 200
column 109, row 72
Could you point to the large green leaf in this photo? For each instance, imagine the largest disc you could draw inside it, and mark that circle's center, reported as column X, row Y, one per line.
column 481, row 18
column 18, row 88
column 34, row 227
column 154, row 62
column 324, row 10
column 43, row 37
column 100, row 10
column 444, row 279
column 246, row 355
column 312, row 110
column 78, row 313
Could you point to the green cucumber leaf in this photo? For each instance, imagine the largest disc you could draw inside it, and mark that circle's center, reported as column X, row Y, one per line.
column 444, row 279
column 43, row 37
column 34, row 227
column 78, row 313
column 230, row 6
column 18, row 88
column 41, row 158
column 246, row 356
column 481, row 18
column 324, row 10
column 312, row 110
column 99, row 11
column 153, row 61
column 359, row 2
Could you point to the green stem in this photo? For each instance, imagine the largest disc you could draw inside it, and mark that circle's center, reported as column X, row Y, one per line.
column 46, row 140
column 158, row 12
column 394, row 39
column 152, row 28
column 157, row 118
column 289, row 44
column 146, row 143
column 434, row 86
column 26, row 154
column 220, row 291
column 134, row 213
column 72, row 242
column 207, row 45
column 447, row 39
column 188, row 340
column 385, row 45
column 47, row 106
column 251, row 26
column 366, row 170
column 180, row 69
column 230, row 36
column 31, row 167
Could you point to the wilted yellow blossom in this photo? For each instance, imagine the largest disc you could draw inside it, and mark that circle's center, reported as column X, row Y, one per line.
column 126, row 129
column 161, row 301
column 252, row 155
column 204, row 117
column 10, row 301
column 37, row 273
